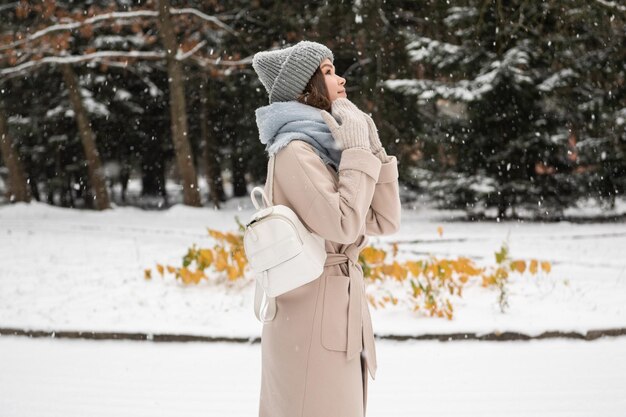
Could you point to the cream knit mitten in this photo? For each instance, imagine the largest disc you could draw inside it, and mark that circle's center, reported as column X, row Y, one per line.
column 375, row 144
column 352, row 132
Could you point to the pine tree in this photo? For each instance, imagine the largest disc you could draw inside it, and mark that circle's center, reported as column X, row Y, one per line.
column 499, row 135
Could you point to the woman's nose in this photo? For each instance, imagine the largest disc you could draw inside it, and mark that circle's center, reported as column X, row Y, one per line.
column 342, row 81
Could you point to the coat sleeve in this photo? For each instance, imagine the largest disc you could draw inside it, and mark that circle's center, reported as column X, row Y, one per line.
column 334, row 209
column 383, row 216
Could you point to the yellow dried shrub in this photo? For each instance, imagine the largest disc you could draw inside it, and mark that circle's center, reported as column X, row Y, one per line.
column 428, row 284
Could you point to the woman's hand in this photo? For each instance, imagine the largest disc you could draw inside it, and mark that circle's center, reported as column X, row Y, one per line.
column 375, row 145
column 353, row 130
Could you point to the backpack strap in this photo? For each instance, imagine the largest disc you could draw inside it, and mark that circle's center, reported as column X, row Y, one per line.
column 270, row 179
column 258, row 292
column 270, row 306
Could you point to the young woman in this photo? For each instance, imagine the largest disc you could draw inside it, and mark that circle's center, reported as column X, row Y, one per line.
column 331, row 170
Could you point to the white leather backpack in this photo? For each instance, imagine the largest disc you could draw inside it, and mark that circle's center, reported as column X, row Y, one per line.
column 281, row 251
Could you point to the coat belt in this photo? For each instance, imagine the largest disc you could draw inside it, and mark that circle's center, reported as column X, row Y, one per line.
column 359, row 320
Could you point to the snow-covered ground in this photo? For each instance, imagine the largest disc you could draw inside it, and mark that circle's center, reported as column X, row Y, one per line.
column 67, row 269
column 66, row 378
column 64, row 269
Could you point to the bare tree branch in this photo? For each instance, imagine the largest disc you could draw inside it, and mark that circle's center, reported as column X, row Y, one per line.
column 10, row 72
column 70, row 59
column 196, row 12
column 113, row 16
column 206, row 62
column 182, row 56
column 74, row 25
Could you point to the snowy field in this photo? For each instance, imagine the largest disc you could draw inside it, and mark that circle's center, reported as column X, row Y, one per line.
column 64, row 269
column 43, row 377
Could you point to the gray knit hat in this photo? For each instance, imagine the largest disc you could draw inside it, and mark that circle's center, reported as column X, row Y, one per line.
column 285, row 72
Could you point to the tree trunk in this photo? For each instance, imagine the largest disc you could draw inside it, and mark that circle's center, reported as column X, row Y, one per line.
column 87, row 137
column 18, row 186
column 182, row 148
column 153, row 169
column 238, row 178
column 502, row 206
column 210, row 153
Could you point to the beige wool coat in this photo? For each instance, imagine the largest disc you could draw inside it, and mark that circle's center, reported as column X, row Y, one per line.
column 320, row 345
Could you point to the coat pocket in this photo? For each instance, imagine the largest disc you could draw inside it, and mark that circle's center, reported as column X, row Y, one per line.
column 335, row 313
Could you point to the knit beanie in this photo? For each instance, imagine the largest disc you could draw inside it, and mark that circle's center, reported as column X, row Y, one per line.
column 285, row 72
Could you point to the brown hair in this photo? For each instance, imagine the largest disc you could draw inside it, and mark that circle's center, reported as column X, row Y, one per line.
column 315, row 93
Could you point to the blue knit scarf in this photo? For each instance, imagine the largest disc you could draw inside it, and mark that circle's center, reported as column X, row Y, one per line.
column 281, row 122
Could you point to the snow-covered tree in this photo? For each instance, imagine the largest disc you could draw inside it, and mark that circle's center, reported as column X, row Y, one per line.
column 62, row 35
column 500, row 130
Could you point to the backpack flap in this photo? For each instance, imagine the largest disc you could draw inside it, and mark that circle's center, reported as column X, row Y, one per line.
column 274, row 253
column 270, row 242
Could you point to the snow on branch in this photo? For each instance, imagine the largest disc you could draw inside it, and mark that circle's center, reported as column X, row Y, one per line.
column 441, row 54
column 182, row 56
column 9, row 5
column 205, row 62
column 428, row 89
column 612, row 5
column 74, row 25
column 510, row 67
column 113, row 16
column 70, row 59
column 561, row 78
column 95, row 56
column 196, row 12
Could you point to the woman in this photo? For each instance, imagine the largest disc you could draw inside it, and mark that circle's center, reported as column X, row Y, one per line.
column 332, row 171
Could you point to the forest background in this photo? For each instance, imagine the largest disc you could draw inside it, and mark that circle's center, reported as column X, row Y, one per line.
column 499, row 108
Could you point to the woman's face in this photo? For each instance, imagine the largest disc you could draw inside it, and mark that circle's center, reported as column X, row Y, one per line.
column 334, row 83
